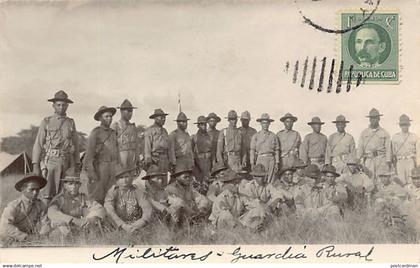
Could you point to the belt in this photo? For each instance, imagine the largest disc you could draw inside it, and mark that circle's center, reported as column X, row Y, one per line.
column 266, row 154
column 233, row 153
column 204, row 155
column 57, row 152
column 317, row 158
column 157, row 153
column 373, row 154
column 401, row 157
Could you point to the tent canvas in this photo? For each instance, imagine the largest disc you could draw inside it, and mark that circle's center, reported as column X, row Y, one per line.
column 15, row 164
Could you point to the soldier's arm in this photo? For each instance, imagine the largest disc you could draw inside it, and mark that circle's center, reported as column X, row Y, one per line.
column 90, row 152
column 303, row 151
column 328, row 151
column 109, row 207
column 220, row 147
column 94, row 209
column 277, row 149
column 360, row 147
column 388, row 153
column 148, row 146
column 7, row 227
column 146, row 208
column 352, row 147
column 39, row 143
column 172, row 140
column 75, row 139
column 56, row 215
column 252, row 150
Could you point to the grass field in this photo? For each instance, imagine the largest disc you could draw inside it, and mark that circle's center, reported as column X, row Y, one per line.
column 354, row 228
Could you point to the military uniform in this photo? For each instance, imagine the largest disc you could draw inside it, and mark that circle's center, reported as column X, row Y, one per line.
column 156, row 147
column 290, row 142
column 404, row 151
column 340, row 148
column 227, row 208
column 128, row 143
column 265, row 150
column 229, row 146
column 312, row 149
column 247, row 134
column 100, row 161
column 180, row 148
column 325, row 200
column 128, row 206
column 201, row 145
column 359, row 188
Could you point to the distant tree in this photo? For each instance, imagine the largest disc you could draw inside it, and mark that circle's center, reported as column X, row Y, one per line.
column 24, row 141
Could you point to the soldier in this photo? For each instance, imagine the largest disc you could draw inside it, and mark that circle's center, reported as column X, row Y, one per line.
column 180, row 147
column 265, row 148
column 201, row 146
column 290, row 141
column 414, row 195
column 155, row 190
column 212, row 120
column 404, row 150
column 340, row 146
column 215, row 188
column 374, row 148
column 228, row 206
column 58, row 138
column 27, row 215
column 101, row 155
column 185, row 204
column 156, row 143
column 247, row 134
column 127, row 205
column 390, row 191
column 359, row 186
column 229, row 145
column 71, row 212
column 127, row 136
column 282, row 193
column 312, row 150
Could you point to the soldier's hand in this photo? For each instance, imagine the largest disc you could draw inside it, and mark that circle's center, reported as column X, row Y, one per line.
column 128, row 228
column 79, row 222
column 36, row 169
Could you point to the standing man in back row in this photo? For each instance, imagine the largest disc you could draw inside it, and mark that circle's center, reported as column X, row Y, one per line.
column 312, row 150
column 290, row 141
column 58, row 138
column 213, row 120
column 229, row 145
column 180, row 146
column 127, row 137
column 374, row 148
column 247, row 133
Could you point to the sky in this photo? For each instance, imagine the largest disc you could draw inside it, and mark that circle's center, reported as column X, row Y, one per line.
column 217, row 55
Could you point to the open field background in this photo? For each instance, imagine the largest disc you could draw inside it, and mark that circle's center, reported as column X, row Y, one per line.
column 354, row 228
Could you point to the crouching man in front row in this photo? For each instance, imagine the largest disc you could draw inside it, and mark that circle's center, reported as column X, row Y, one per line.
column 25, row 216
column 126, row 204
column 71, row 212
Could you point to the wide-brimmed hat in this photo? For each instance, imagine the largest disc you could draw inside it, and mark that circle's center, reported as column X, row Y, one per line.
column 232, row 115
column 213, row 115
column 126, row 104
column 265, row 117
column 287, row 168
column 71, row 176
column 340, row 118
column 330, row 169
column 61, row 96
column 258, row 171
column 246, row 115
column 122, row 172
column 219, row 166
column 230, row 175
column 181, row 117
column 28, row 178
column 153, row 172
column 298, row 163
column 179, row 171
column 316, row 121
column 102, row 110
column 415, row 173
column 386, row 173
column 374, row 113
column 288, row 115
column 201, row 120
column 157, row 112
column 312, row 171
column 404, row 120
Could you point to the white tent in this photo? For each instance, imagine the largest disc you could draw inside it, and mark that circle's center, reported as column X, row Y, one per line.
column 15, row 164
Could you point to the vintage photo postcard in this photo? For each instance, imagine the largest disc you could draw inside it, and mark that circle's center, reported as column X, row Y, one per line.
column 200, row 131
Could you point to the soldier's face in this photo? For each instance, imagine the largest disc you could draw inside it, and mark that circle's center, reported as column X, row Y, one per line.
column 60, row 107
column 288, row 124
column 329, row 178
column 127, row 114
column 352, row 168
column 341, row 126
column 385, row 180
column 220, row 174
column 212, row 122
column 31, row 190
column 374, row 121
column 160, row 120
column 245, row 122
column 106, row 119
column 233, row 122
column 259, row 180
column 184, row 179
column 316, row 128
column 300, row 171
column 416, row 182
column 405, row 127
column 265, row 125
column 125, row 181
column 368, row 46
column 202, row 127
column 182, row 125
column 72, row 187
column 157, row 181
column 288, row 176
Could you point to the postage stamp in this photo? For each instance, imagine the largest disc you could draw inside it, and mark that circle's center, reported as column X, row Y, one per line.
column 373, row 48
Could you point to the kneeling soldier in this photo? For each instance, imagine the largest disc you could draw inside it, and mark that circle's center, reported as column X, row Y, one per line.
column 282, row 193
column 26, row 215
column 126, row 204
column 71, row 212
column 155, row 190
column 215, row 188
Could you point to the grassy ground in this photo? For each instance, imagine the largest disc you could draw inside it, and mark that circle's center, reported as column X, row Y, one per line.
column 354, row 228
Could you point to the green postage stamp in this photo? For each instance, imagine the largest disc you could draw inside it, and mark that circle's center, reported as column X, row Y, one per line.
column 373, row 48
